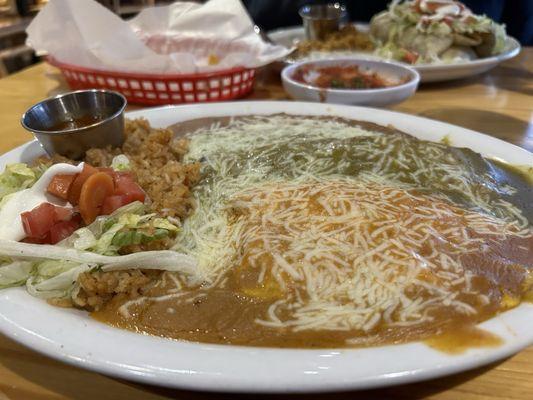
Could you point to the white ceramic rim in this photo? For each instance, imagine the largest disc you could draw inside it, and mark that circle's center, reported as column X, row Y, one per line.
column 414, row 76
column 76, row 339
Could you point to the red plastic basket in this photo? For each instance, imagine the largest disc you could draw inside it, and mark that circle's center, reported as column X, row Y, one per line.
column 154, row 89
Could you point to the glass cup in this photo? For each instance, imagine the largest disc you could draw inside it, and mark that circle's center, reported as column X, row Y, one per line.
column 322, row 19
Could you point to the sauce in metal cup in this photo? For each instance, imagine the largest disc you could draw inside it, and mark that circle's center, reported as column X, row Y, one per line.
column 72, row 123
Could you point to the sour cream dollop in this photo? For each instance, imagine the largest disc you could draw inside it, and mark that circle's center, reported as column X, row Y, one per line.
column 26, row 200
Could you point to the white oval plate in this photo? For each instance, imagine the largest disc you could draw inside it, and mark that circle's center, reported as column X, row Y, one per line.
column 71, row 336
column 428, row 72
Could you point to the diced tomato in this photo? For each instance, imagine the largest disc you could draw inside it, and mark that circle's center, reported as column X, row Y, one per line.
column 43, row 240
column 114, row 202
column 432, row 7
column 62, row 214
column 38, row 221
column 110, row 171
column 98, row 191
column 410, row 57
column 125, row 185
column 59, row 185
column 126, row 191
column 62, row 230
column 106, row 169
column 75, row 187
column 448, row 20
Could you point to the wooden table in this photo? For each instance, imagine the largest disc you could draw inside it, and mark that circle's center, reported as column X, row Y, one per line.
column 499, row 103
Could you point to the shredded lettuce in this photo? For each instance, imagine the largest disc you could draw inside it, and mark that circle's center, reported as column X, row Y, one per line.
column 500, row 39
column 51, row 271
column 87, row 237
column 165, row 259
column 14, row 273
column 130, row 229
column 50, row 268
column 16, row 177
column 82, row 239
column 104, row 245
column 58, row 286
column 53, row 278
column 128, row 238
column 162, row 223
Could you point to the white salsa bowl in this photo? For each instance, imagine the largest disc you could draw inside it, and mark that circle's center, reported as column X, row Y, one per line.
column 381, row 97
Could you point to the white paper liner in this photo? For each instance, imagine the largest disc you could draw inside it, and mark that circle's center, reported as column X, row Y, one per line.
column 183, row 37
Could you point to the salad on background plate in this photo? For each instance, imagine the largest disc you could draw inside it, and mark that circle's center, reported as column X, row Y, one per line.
column 435, row 31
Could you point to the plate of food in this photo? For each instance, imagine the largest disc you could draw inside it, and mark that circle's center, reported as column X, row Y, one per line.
column 442, row 40
column 271, row 247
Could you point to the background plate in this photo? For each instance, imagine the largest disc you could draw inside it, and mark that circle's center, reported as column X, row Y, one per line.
column 71, row 336
column 428, row 72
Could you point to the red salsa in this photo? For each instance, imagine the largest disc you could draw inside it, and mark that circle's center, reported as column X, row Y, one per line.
column 341, row 77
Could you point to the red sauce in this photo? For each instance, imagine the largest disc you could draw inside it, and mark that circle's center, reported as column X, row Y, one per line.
column 341, row 77
column 76, row 123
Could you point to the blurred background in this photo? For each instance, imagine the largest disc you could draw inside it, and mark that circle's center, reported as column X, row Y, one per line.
column 15, row 15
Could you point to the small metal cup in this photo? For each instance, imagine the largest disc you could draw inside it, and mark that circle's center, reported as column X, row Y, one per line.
column 52, row 122
column 321, row 19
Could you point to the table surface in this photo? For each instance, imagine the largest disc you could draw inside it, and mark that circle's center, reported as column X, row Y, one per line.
column 498, row 103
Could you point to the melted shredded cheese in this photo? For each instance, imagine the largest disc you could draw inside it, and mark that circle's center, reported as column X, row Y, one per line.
column 366, row 253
